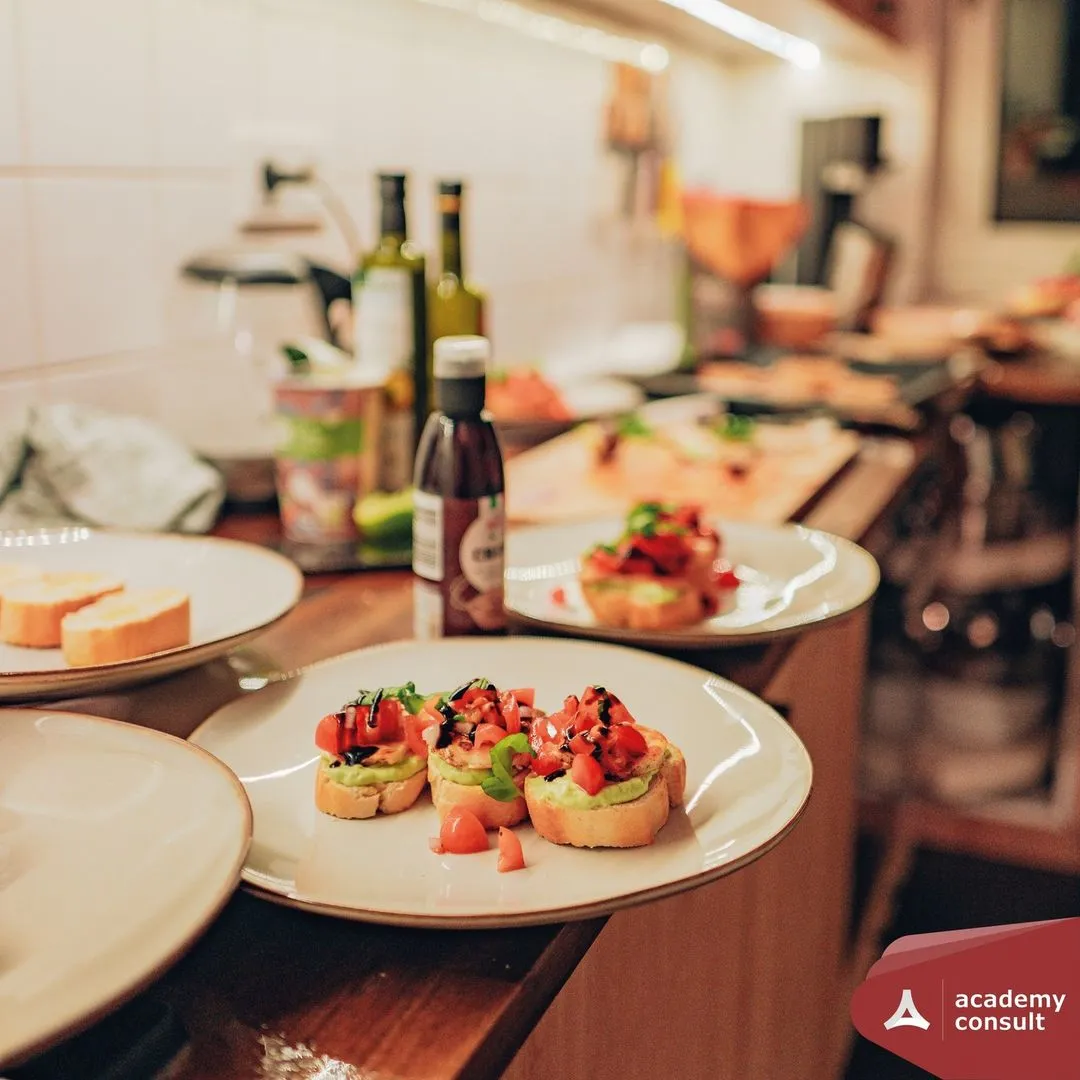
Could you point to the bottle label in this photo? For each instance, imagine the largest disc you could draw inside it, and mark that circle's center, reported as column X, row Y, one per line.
column 384, row 319
column 458, row 557
column 384, row 343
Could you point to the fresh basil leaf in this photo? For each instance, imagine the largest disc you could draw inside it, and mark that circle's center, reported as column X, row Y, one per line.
column 406, row 694
column 299, row 361
column 633, row 425
column 500, row 785
column 735, row 428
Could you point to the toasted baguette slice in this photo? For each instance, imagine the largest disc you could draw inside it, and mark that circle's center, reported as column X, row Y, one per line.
column 33, row 609
column 493, row 814
column 674, row 773
column 626, row 601
column 339, row 800
column 625, row 825
column 126, row 625
column 11, row 573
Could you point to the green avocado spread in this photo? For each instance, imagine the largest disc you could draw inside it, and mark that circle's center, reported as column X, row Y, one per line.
column 365, row 775
column 564, row 792
column 647, row 592
column 468, row 777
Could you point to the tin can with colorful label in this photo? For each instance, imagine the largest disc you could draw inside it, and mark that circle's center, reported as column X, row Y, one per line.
column 327, row 458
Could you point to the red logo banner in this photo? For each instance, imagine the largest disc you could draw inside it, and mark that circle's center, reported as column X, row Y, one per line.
column 995, row 1003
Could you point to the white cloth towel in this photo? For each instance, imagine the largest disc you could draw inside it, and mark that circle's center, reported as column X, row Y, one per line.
column 74, row 464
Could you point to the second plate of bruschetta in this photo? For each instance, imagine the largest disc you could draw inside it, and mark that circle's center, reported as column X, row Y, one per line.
column 667, row 575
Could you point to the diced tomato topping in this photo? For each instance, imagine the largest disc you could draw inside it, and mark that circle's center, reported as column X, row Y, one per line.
column 606, row 561
column 669, row 551
column 511, row 712
column 462, row 833
column 579, row 744
column 587, row 773
column 637, row 564
column 511, row 857
column 628, row 739
column 474, row 698
column 526, row 697
column 558, row 596
column 334, row 736
column 326, row 735
column 487, row 735
column 723, row 576
column 546, row 762
column 415, row 726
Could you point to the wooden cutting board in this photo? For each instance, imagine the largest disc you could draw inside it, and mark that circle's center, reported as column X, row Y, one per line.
column 562, row 480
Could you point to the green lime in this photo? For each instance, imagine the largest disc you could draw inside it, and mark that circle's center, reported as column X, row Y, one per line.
column 384, row 517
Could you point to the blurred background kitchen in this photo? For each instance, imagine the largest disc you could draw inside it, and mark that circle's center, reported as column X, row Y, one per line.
column 187, row 186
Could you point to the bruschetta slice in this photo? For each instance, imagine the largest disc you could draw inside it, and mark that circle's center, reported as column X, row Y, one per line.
column 373, row 754
column 481, row 754
column 664, row 572
column 600, row 780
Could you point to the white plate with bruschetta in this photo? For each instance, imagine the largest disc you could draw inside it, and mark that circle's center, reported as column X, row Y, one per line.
column 471, row 783
column 118, row 846
column 84, row 611
column 666, row 576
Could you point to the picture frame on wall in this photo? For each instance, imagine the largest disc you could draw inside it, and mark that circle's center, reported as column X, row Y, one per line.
column 1037, row 174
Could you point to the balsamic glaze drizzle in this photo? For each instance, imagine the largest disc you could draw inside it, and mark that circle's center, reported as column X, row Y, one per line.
column 373, row 719
column 357, row 755
column 554, row 775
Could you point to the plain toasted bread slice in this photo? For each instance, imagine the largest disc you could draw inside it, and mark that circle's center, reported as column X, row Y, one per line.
column 10, row 573
column 339, row 800
column 33, row 609
column 126, row 625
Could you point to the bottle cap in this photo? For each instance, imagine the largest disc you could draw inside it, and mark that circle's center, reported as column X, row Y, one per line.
column 450, row 187
column 392, row 183
column 463, row 356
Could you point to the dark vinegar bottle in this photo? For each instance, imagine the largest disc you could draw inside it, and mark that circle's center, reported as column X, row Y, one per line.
column 458, row 511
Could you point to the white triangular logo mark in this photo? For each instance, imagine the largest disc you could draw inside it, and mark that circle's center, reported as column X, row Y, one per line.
column 906, row 1014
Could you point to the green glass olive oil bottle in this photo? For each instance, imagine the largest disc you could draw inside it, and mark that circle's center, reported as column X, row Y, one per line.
column 455, row 307
column 391, row 336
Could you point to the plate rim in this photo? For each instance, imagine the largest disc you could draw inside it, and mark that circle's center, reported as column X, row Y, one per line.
column 699, row 640
column 26, row 1050
column 12, row 680
column 547, row 916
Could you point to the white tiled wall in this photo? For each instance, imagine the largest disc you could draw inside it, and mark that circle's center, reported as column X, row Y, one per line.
column 130, row 130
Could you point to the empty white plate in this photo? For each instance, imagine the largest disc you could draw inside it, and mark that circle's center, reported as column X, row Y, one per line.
column 792, row 577
column 118, row 846
column 748, row 780
column 236, row 590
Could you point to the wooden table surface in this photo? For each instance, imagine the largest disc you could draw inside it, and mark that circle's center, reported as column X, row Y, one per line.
column 273, row 992
column 1041, row 378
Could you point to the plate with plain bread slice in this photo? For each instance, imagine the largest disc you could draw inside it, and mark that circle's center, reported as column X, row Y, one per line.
column 506, row 782
column 84, row 610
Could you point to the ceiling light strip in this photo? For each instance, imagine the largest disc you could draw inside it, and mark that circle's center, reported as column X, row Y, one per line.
column 770, row 39
column 648, row 55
